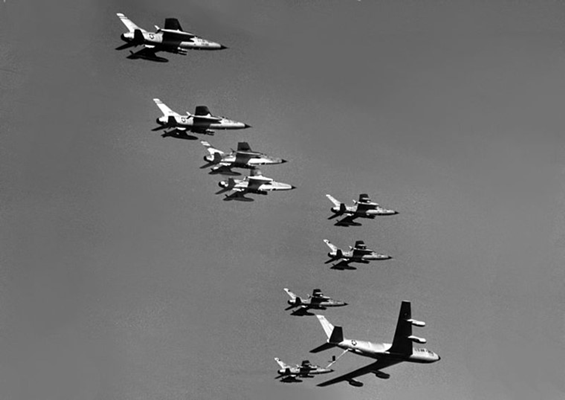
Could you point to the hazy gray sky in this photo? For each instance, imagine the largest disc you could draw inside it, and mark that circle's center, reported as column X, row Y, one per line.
column 122, row 275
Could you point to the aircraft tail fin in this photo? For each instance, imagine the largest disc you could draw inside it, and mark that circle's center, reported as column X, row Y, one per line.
column 128, row 23
column 202, row 111
column 330, row 245
column 164, row 108
column 243, row 146
column 281, row 363
column 172, row 24
column 333, row 200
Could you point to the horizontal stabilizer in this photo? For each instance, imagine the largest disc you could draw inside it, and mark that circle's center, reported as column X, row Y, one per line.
column 164, row 108
column 127, row 22
column 325, row 346
column 333, row 200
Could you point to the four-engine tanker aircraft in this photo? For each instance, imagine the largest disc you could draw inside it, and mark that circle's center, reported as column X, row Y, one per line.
column 304, row 370
column 314, row 301
column 255, row 183
column 358, row 253
column 171, row 39
column 362, row 208
column 243, row 157
column 386, row 354
column 202, row 121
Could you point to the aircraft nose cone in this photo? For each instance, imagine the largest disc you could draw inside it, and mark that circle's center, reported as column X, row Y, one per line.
column 283, row 161
column 292, row 187
column 247, row 126
column 222, row 47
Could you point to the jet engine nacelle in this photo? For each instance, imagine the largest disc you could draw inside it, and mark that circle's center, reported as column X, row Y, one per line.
column 417, row 339
column 381, row 374
column 355, row 383
column 415, row 322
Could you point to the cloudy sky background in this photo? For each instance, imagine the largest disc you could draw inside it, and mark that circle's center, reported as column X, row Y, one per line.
column 122, row 275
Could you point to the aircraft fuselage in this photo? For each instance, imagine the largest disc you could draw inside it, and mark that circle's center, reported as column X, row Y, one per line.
column 268, row 185
column 194, row 123
column 354, row 256
column 381, row 350
column 173, row 41
column 242, row 160
column 367, row 213
column 321, row 304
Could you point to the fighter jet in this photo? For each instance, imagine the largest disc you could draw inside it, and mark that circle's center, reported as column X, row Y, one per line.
column 243, row 157
column 386, row 354
column 359, row 254
column 202, row 121
column 362, row 208
column 314, row 301
column 255, row 183
column 304, row 370
column 171, row 39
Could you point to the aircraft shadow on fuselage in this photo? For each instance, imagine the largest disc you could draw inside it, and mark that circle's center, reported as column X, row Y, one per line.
column 301, row 313
column 136, row 56
column 242, row 199
column 341, row 223
column 342, row 266
column 224, row 172
column 289, row 379
column 178, row 135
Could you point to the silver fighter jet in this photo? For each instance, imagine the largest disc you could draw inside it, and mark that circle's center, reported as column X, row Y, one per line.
column 255, row 183
column 362, row 208
column 305, row 370
column 358, row 253
column 202, row 121
column 386, row 354
column 243, row 157
column 171, row 39
column 314, row 301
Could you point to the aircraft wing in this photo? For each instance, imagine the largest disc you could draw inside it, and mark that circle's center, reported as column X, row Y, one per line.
column 401, row 342
column 374, row 367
